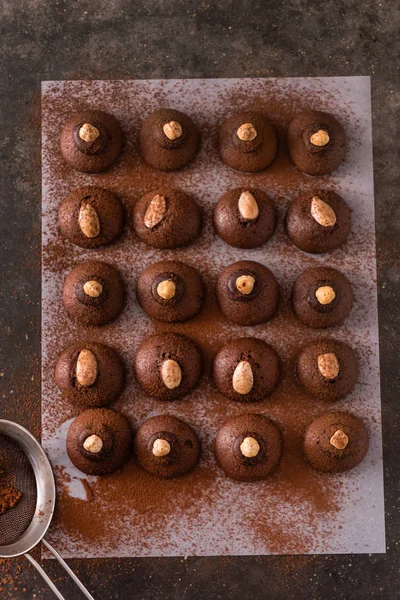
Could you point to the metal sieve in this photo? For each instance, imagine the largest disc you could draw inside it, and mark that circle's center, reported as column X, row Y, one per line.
column 26, row 466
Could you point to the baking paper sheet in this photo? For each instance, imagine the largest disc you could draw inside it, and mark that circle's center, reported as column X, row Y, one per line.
column 230, row 519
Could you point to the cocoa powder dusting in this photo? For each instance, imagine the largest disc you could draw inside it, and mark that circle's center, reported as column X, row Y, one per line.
column 131, row 513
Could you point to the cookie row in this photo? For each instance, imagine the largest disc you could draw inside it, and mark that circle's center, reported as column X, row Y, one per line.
column 173, row 291
column 169, row 366
column 316, row 221
column 248, row 447
column 92, row 140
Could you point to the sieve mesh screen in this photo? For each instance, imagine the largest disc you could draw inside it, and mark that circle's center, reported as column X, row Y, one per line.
column 19, row 473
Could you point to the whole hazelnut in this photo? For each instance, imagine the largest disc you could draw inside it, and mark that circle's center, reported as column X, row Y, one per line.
column 161, row 448
column 320, row 138
column 88, row 133
column 93, row 444
column 249, row 447
column 325, row 294
column 172, row 130
column 246, row 132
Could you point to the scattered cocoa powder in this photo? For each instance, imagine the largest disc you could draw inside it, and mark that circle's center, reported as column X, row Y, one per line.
column 130, row 508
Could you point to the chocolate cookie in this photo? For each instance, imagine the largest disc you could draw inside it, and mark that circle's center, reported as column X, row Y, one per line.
column 248, row 142
column 322, row 297
column 247, row 293
column 89, row 374
column 170, row 291
column 167, row 218
column 91, row 141
column 169, row 139
column 93, row 293
column 166, row 447
column 99, row 441
column 91, row 217
column 318, row 221
column 316, row 142
column 248, row 447
column 245, row 218
column 336, row 442
column 327, row 369
column 168, row 365
column 246, row 370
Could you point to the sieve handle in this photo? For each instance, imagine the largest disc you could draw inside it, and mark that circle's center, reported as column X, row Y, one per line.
column 68, row 570
column 45, row 577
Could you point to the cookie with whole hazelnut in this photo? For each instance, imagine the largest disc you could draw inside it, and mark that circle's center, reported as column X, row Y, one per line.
column 247, row 293
column 166, row 447
column 248, row 142
column 91, row 217
column 322, row 297
column 99, row 441
column 336, row 442
column 168, row 365
column 327, row 369
column 245, row 217
column 168, row 139
column 93, row 293
column 170, row 291
column 318, row 221
column 91, row 141
column 246, row 370
column 167, row 218
column 248, row 447
column 316, row 142
column 89, row 374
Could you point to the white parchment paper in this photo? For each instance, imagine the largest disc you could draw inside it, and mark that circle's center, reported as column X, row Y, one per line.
column 217, row 526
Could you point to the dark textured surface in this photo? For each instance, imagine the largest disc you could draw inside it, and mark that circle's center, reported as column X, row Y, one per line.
column 116, row 39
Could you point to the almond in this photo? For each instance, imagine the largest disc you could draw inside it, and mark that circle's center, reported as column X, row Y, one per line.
column 339, row 440
column 86, row 368
column 93, row 444
column 322, row 212
column 88, row 133
column 155, row 212
column 89, row 221
column 171, row 374
column 249, row 447
column 325, row 294
column 320, row 138
column 328, row 365
column 245, row 284
column 172, row 130
column 248, row 207
column 161, row 447
column 246, row 132
column 93, row 288
column 242, row 379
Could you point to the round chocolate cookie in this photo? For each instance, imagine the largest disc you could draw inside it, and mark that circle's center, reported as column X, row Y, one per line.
column 336, row 442
column 99, row 441
column 91, row 141
column 166, row 447
column 322, row 297
column 248, row 142
column 89, row 374
column 168, row 365
column 93, row 293
column 247, row 293
column 327, row 369
column 246, row 370
column 318, row 221
column 168, row 139
column 170, row 291
column 91, row 217
column 167, row 218
column 316, row 142
column 245, row 218
column 248, row 447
